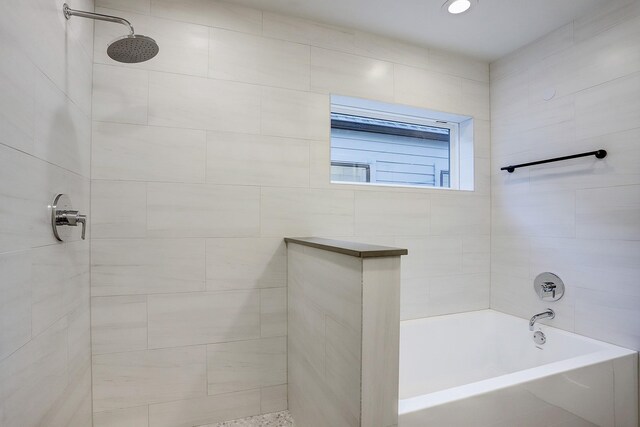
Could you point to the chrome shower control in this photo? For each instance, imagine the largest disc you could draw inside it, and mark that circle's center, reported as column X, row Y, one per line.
column 548, row 286
column 62, row 215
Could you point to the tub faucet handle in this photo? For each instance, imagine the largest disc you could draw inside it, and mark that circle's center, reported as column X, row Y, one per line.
column 549, row 289
column 548, row 286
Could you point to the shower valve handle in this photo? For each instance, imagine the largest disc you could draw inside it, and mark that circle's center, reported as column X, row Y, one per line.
column 62, row 214
column 72, row 218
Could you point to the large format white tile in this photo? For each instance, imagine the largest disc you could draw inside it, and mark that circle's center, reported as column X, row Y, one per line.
column 129, row 417
column 337, row 72
column 122, row 380
column 389, row 214
column 273, row 312
column 30, row 195
column 604, row 18
column 74, row 409
column 474, row 99
column 34, row 378
column 327, row 283
column 482, row 141
column 205, row 410
column 118, row 324
column 608, row 213
column 380, row 340
column 577, row 218
column 458, row 65
column 618, row 168
column 18, row 77
column 389, row 49
column 139, row 6
column 45, row 112
column 456, row 214
column 118, row 209
column 120, row 94
column 62, row 130
column 300, row 212
column 427, row 89
column 273, row 399
column 585, row 262
column 37, row 117
column 431, row 256
column 245, row 365
column 307, row 32
column 245, row 159
column 183, row 47
column 459, row 293
column 61, row 49
column 147, row 266
column 255, row 59
column 608, row 316
column 60, row 282
column 80, row 33
column 214, row 13
column 535, row 214
column 414, row 298
column 509, row 95
column 609, row 107
column 15, row 304
column 246, row 263
column 201, row 103
column 147, row 153
column 601, row 59
column 521, row 59
column 199, row 210
column 343, row 361
column 202, row 318
column 295, row 114
column 79, row 341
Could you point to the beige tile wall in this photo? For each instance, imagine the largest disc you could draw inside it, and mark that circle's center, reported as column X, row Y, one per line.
column 205, row 157
column 343, row 340
column 45, row 149
column 579, row 219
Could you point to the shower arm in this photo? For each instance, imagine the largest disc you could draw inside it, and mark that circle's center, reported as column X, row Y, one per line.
column 68, row 13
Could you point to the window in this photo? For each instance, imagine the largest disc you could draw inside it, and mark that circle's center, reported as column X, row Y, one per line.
column 384, row 144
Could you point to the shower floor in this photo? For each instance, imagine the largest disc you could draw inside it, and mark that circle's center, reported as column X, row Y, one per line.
column 276, row 419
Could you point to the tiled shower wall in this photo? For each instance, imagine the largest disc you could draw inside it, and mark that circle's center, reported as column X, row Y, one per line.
column 45, row 140
column 579, row 218
column 206, row 157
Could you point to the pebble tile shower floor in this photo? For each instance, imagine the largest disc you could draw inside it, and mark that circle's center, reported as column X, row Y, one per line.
column 276, row 419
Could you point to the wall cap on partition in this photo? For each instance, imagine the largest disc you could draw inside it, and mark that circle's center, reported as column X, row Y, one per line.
column 355, row 249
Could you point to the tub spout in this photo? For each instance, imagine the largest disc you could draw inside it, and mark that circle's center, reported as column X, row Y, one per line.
column 548, row 314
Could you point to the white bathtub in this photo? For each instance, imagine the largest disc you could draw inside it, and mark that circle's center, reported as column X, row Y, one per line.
column 482, row 368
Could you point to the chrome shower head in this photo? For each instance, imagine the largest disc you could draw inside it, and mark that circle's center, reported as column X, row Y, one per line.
column 129, row 49
column 132, row 49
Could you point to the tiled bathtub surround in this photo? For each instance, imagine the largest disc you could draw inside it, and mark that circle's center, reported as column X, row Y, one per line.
column 45, row 148
column 581, row 218
column 205, row 157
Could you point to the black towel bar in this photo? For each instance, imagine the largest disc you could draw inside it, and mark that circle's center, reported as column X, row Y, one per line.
column 600, row 154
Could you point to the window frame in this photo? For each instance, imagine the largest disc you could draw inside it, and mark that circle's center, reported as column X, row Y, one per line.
column 365, row 166
column 454, row 140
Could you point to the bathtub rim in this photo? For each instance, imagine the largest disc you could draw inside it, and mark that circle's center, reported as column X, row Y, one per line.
column 608, row 353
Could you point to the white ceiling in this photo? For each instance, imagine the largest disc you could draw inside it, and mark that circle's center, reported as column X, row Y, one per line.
column 489, row 31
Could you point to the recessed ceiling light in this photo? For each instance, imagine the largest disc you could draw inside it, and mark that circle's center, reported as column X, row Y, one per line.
column 456, row 7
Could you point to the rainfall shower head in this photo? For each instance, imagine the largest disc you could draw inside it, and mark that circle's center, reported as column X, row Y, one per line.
column 129, row 49
column 133, row 48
